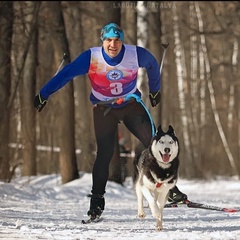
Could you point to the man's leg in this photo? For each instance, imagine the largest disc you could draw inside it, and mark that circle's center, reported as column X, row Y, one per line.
column 105, row 130
column 138, row 122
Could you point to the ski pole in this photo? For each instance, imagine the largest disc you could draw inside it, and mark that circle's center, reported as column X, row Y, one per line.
column 65, row 57
column 165, row 46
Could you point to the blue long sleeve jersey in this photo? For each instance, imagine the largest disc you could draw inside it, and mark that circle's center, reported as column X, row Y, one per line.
column 81, row 66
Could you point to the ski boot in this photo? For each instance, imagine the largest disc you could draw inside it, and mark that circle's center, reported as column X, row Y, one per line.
column 176, row 196
column 97, row 204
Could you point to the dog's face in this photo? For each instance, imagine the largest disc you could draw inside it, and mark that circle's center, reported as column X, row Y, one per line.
column 165, row 146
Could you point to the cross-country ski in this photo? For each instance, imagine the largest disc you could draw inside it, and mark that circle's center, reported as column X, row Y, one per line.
column 90, row 220
column 202, row 206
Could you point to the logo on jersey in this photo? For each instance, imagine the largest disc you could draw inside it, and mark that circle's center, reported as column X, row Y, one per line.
column 114, row 74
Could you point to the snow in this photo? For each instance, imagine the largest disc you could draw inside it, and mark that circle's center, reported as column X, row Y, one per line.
column 40, row 207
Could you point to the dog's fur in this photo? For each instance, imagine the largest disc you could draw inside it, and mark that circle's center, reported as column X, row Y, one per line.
column 156, row 172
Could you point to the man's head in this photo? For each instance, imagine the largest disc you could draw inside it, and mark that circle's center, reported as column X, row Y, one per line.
column 112, row 37
column 112, row 30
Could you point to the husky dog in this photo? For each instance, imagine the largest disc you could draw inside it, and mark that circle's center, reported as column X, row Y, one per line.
column 156, row 172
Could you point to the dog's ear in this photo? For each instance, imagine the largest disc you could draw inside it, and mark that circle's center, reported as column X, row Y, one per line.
column 171, row 130
column 159, row 130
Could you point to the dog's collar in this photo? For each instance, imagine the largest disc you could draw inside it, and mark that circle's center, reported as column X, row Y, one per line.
column 158, row 185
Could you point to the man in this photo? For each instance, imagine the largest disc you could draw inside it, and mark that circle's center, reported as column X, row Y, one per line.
column 112, row 70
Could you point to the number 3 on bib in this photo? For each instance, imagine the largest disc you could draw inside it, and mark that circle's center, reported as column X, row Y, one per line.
column 116, row 88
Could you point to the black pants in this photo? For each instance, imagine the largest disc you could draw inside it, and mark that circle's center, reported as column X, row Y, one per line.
column 137, row 121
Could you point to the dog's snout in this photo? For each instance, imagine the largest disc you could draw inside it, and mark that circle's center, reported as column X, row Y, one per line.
column 167, row 150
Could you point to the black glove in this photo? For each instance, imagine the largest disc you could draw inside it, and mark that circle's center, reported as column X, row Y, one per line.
column 155, row 98
column 39, row 102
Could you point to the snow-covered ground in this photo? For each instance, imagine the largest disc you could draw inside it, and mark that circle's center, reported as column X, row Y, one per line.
column 41, row 208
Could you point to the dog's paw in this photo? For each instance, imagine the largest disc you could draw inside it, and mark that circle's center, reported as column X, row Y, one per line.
column 159, row 228
column 141, row 215
column 159, row 225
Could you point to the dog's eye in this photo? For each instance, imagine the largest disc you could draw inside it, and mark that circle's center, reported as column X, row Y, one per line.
column 171, row 142
column 161, row 141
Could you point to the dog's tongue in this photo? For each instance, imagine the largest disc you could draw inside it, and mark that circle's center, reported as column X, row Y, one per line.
column 166, row 157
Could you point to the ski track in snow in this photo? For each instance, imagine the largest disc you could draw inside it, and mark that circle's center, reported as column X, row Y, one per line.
column 41, row 208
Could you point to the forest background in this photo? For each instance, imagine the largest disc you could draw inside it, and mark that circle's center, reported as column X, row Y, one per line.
column 200, row 84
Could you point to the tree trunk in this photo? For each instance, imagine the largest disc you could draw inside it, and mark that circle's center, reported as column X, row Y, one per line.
column 27, row 92
column 155, row 47
column 65, row 99
column 6, row 23
column 75, row 24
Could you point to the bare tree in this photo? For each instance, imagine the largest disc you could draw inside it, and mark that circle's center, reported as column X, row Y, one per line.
column 27, row 89
column 212, row 95
column 6, row 21
column 64, row 98
column 181, row 75
column 155, row 46
column 78, row 23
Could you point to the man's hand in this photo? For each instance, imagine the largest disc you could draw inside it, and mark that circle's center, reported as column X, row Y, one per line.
column 39, row 102
column 155, row 98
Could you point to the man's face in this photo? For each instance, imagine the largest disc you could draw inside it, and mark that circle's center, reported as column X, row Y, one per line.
column 112, row 46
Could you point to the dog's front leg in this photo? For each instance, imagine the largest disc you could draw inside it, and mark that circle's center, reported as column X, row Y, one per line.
column 151, row 201
column 159, row 223
column 161, row 201
column 139, row 194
